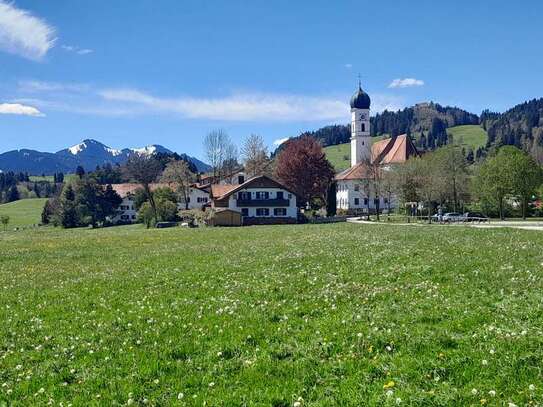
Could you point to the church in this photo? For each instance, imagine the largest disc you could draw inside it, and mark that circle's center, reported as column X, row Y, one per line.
column 354, row 191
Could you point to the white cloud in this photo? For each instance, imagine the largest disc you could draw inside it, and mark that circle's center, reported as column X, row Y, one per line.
column 348, row 66
column 23, row 34
column 19, row 109
column 238, row 107
column 280, row 141
column 76, row 49
column 32, row 86
column 405, row 83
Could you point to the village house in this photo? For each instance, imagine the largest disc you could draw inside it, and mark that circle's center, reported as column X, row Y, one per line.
column 199, row 197
column 354, row 192
column 259, row 200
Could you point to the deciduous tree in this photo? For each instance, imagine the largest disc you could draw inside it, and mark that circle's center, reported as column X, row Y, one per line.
column 179, row 174
column 302, row 167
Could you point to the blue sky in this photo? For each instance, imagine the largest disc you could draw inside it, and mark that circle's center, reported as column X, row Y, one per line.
column 132, row 73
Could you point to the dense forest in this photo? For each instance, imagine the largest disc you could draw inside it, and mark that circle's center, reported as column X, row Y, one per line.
column 428, row 120
column 521, row 126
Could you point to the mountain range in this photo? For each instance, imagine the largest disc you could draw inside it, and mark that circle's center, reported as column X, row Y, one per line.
column 88, row 154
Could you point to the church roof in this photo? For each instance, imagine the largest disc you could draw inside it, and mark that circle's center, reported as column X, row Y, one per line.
column 395, row 150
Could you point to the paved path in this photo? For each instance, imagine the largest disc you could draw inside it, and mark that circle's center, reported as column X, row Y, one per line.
column 525, row 225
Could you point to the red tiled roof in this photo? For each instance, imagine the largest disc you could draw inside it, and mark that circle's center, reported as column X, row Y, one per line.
column 218, row 191
column 130, row 188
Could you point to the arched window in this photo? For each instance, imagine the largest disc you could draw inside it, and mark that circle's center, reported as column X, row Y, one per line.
column 363, row 127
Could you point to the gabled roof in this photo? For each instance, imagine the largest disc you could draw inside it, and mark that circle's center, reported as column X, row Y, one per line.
column 223, row 191
column 394, row 150
column 358, row 171
column 130, row 188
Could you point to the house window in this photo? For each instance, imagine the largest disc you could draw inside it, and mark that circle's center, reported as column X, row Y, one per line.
column 363, row 126
column 201, row 199
column 244, row 211
column 133, row 217
column 279, row 194
column 241, row 179
column 376, row 201
column 356, row 201
column 356, row 187
column 365, row 201
column 289, row 196
column 262, row 195
column 280, row 211
column 244, row 196
column 385, row 200
column 262, row 212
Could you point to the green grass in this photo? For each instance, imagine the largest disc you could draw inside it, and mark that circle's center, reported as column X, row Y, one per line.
column 49, row 178
column 470, row 135
column 333, row 315
column 24, row 212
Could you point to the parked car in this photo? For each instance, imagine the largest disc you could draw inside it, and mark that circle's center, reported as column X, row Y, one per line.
column 475, row 217
column 451, row 217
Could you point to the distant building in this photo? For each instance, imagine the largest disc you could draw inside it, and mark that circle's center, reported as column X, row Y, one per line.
column 259, row 200
column 126, row 213
column 353, row 193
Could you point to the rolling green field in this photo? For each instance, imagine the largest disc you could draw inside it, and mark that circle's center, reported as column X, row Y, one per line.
column 302, row 315
column 469, row 135
column 24, row 212
column 49, row 178
column 339, row 156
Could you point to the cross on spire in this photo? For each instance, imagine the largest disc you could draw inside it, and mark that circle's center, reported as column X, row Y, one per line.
column 359, row 81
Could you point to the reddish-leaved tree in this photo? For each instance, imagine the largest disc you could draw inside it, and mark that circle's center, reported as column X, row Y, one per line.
column 303, row 168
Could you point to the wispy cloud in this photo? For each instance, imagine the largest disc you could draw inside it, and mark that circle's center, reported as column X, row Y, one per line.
column 76, row 49
column 23, row 34
column 280, row 141
column 19, row 109
column 32, row 86
column 405, row 83
column 238, row 107
column 348, row 66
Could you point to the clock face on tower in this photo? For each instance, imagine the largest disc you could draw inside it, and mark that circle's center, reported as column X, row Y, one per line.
column 362, row 116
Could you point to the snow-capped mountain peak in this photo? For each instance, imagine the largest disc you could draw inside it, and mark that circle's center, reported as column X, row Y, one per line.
column 77, row 148
column 147, row 150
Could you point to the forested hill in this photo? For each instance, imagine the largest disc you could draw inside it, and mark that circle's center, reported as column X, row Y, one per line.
column 521, row 126
column 430, row 119
column 420, row 118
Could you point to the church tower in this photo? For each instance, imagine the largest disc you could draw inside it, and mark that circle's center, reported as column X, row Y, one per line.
column 360, row 127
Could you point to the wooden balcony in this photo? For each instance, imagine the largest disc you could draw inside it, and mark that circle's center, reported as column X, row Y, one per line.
column 262, row 203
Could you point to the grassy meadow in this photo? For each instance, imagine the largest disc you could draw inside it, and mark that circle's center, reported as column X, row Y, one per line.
column 305, row 315
column 468, row 136
column 24, row 212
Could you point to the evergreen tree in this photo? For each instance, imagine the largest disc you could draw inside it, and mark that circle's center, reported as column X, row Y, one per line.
column 13, row 194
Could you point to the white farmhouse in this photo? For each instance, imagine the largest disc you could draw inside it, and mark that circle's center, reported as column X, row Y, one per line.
column 354, row 192
column 260, row 200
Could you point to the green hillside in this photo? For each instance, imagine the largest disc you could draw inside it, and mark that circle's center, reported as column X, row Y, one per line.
column 468, row 136
column 24, row 212
column 339, row 156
